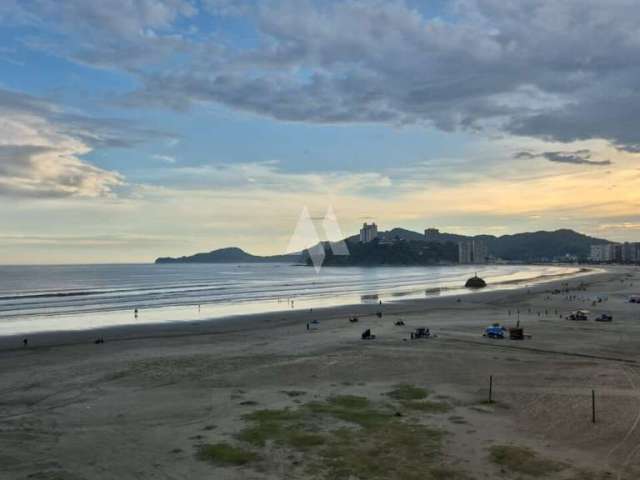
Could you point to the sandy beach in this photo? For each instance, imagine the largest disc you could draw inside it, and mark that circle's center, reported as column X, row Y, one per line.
column 263, row 397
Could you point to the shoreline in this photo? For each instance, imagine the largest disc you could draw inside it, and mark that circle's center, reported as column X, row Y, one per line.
column 268, row 319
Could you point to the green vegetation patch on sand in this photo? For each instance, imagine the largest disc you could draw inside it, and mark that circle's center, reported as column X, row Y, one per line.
column 395, row 450
column 276, row 425
column 348, row 436
column 351, row 409
column 408, row 392
column 523, row 460
column 225, row 454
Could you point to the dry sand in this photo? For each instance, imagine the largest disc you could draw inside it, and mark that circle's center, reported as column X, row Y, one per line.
column 140, row 405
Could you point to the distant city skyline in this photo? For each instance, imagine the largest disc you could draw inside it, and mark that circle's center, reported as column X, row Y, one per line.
column 134, row 129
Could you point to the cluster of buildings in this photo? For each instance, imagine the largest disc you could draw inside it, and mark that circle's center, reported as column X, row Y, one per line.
column 368, row 232
column 473, row 251
column 469, row 251
column 615, row 253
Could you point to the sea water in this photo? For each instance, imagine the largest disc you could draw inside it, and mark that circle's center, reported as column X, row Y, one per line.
column 54, row 298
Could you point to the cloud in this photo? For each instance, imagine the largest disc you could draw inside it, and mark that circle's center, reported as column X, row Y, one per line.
column 228, row 8
column 42, row 148
column 620, row 226
column 268, row 177
column 579, row 157
column 40, row 161
column 119, row 239
column 164, row 158
column 110, row 34
column 526, row 69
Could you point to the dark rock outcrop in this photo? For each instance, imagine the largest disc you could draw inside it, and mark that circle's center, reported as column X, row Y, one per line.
column 475, row 282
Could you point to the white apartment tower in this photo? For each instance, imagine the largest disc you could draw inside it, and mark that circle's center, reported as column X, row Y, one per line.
column 368, row 232
column 473, row 251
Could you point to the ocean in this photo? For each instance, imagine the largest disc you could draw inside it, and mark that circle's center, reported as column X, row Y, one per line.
column 79, row 297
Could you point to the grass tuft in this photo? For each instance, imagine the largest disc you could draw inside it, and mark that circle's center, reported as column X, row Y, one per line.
column 285, row 427
column 351, row 409
column 349, row 401
column 268, row 425
column 523, row 460
column 225, row 454
column 408, row 392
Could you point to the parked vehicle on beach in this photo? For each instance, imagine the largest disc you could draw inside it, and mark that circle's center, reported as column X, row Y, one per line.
column 421, row 332
column 367, row 335
column 604, row 318
column 579, row 315
column 494, row 331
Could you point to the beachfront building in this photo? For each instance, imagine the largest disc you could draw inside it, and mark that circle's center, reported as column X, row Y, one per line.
column 465, row 252
column 480, row 252
column 473, row 251
column 615, row 252
column 608, row 252
column 599, row 253
column 368, row 232
column 630, row 252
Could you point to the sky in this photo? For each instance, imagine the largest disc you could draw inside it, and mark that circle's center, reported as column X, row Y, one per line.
column 132, row 129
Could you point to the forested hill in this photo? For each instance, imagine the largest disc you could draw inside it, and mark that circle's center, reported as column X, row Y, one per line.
column 230, row 255
column 405, row 247
column 401, row 252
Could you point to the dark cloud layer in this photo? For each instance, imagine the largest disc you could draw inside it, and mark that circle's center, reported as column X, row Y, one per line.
column 579, row 157
column 559, row 71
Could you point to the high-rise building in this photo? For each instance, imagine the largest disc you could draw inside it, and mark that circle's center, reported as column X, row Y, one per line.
column 480, row 252
column 473, row 251
column 616, row 252
column 598, row 253
column 465, row 252
column 630, row 252
column 368, row 232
